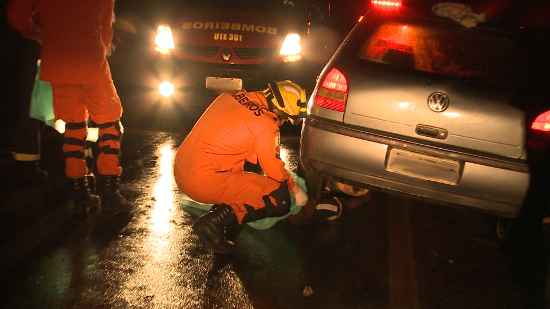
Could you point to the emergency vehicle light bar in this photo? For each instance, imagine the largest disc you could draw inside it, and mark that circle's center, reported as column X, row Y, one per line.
column 386, row 4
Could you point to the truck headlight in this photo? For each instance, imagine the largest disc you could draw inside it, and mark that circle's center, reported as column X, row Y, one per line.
column 167, row 89
column 291, row 49
column 164, row 41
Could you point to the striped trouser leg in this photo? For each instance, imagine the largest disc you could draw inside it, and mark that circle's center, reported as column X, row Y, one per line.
column 73, row 149
column 108, row 163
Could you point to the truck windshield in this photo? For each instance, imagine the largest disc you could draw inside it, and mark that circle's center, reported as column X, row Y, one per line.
column 242, row 4
column 167, row 9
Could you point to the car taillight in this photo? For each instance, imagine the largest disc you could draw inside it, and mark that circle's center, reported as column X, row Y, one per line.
column 333, row 92
column 538, row 137
column 386, row 4
column 542, row 123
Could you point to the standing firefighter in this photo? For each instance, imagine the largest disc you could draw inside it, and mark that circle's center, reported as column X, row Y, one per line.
column 76, row 40
column 19, row 74
column 209, row 164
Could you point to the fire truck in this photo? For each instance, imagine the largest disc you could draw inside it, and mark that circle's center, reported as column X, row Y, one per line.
column 170, row 46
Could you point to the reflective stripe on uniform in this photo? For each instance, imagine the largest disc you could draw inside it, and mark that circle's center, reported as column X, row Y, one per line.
column 26, row 157
column 93, row 135
column 92, row 132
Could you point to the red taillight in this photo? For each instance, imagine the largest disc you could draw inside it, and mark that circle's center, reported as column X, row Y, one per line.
column 542, row 122
column 333, row 92
column 386, row 4
column 335, row 80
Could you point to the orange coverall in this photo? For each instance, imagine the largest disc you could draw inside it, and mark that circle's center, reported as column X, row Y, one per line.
column 75, row 37
column 209, row 164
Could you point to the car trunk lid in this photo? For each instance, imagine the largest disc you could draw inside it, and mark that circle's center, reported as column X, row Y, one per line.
column 417, row 83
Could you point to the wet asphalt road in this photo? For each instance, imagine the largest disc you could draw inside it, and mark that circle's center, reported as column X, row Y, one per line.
column 389, row 252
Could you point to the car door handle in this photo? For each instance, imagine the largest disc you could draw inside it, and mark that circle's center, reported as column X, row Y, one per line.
column 430, row 131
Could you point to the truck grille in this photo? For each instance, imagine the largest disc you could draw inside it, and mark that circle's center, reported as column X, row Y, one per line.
column 254, row 53
column 205, row 51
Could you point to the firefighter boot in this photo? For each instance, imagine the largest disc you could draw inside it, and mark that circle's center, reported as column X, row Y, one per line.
column 211, row 228
column 81, row 198
column 232, row 232
column 109, row 190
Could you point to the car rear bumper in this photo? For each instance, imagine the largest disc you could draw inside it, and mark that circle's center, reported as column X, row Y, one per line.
column 488, row 184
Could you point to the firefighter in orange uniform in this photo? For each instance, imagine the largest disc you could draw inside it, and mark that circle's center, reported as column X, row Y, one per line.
column 75, row 38
column 209, row 164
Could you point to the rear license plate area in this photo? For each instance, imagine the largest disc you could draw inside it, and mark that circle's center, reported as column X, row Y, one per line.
column 423, row 166
column 224, row 83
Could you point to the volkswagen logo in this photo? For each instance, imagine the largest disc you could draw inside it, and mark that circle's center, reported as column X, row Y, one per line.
column 226, row 55
column 438, row 101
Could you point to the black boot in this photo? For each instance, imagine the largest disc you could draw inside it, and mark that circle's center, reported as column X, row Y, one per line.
column 232, row 232
column 81, row 199
column 109, row 190
column 211, row 228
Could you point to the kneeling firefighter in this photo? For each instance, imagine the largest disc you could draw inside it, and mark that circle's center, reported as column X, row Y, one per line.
column 209, row 164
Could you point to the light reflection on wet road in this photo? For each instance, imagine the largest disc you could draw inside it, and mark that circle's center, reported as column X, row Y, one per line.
column 159, row 250
column 171, row 268
column 152, row 260
column 163, row 193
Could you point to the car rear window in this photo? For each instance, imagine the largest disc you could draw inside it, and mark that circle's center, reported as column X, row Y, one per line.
column 460, row 53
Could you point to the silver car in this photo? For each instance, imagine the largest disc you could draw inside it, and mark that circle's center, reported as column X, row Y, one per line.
column 423, row 106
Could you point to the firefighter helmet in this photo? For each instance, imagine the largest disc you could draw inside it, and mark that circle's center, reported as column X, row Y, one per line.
column 287, row 98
